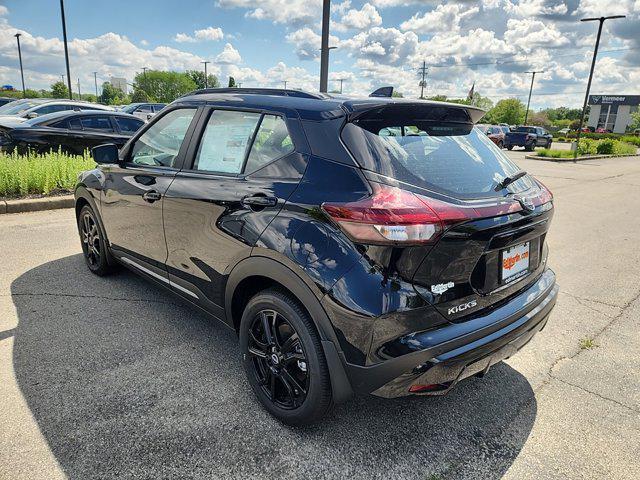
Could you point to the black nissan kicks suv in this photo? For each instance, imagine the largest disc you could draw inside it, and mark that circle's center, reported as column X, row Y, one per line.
column 370, row 245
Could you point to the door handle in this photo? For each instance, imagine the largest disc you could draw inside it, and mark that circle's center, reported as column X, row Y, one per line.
column 259, row 201
column 151, row 196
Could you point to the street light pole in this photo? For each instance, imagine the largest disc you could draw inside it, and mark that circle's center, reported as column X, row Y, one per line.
column 533, row 76
column 324, row 49
column 24, row 92
column 593, row 65
column 79, row 94
column 95, row 80
column 66, row 48
column 206, row 82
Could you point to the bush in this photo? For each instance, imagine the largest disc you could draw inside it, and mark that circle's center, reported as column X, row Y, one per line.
column 551, row 153
column 622, row 148
column 606, row 146
column 33, row 173
column 587, row 146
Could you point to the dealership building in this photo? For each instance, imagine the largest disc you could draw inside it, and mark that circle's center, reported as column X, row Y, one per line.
column 612, row 112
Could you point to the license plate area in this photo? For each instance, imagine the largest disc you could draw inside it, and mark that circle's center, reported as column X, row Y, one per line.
column 514, row 263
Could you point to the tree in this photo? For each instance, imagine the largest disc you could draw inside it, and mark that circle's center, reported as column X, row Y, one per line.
column 635, row 122
column 139, row 96
column 510, row 110
column 198, row 78
column 438, row 98
column 232, row 82
column 164, row 87
column 396, row 94
column 112, row 95
column 540, row 119
column 59, row 90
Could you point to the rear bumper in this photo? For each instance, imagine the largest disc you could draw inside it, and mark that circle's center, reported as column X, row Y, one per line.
column 443, row 356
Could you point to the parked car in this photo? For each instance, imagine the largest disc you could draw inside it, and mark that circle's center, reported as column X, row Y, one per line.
column 143, row 110
column 5, row 100
column 563, row 131
column 346, row 257
column 22, row 110
column 528, row 137
column 71, row 131
column 495, row 133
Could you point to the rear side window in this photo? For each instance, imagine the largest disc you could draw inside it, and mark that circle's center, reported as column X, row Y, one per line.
column 272, row 142
column 128, row 125
column 101, row 123
column 451, row 158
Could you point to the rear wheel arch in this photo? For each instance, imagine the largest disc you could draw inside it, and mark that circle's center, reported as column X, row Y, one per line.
column 256, row 274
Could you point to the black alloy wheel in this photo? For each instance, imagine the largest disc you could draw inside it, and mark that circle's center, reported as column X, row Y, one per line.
column 94, row 248
column 283, row 358
column 279, row 362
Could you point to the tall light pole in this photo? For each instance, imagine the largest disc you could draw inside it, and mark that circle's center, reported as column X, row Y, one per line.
column 533, row 76
column 66, row 48
column 24, row 93
column 593, row 65
column 341, row 80
column 144, row 72
column 206, row 82
column 285, row 84
column 95, row 80
column 324, row 49
column 79, row 94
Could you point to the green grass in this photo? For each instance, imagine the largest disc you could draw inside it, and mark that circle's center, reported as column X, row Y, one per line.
column 22, row 175
column 552, row 153
column 587, row 343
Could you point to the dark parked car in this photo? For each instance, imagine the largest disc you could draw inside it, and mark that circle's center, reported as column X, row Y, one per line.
column 495, row 133
column 528, row 137
column 71, row 131
column 372, row 245
column 5, row 100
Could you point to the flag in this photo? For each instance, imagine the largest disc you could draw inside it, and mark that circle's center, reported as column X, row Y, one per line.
column 470, row 94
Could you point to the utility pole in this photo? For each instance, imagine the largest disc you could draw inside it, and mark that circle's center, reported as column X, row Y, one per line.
column 95, row 80
column 324, row 49
column 66, row 49
column 423, row 83
column 24, row 92
column 79, row 94
column 144, row 73
column 593, row 65
column 285, row 84
column 341, row 80
column 206, row 81
column 533, row 76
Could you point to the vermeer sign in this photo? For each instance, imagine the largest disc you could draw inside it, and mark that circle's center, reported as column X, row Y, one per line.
column 614, row 99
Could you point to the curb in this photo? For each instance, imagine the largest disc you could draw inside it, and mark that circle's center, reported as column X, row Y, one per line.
column 579, row 159
column 36, row 204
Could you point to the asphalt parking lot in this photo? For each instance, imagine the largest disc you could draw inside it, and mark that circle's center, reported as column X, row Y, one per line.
column 113, row 378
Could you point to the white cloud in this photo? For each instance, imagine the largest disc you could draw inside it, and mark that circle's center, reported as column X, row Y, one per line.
column 209, row 33
column 4, row 11
column 443, row 19
column 144, row 43
column 229, row 55
column 386, row 45
column 307, row 43
column 293, row 12
column 362, row 19
column 529, row 34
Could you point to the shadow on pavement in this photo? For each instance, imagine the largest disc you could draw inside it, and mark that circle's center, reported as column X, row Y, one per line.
column 126, row 381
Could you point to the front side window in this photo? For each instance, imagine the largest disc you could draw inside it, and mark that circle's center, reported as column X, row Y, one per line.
column 272, row 142
column 45, row 109
column 225, row 141
column 160, row 144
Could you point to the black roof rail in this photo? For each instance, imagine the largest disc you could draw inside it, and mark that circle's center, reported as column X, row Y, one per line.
column 260, row 91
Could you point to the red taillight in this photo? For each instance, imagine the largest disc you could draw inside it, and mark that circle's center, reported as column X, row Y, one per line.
column 544, row 196
column 395, row 216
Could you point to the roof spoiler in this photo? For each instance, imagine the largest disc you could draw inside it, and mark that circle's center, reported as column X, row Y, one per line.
column 383, row 92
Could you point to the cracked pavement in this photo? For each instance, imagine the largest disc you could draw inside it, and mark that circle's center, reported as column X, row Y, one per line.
column 115, row 378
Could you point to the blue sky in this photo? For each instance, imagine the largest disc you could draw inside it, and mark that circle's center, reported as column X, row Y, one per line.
column 380, row 42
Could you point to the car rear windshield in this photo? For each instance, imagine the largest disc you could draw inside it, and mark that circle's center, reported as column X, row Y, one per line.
column 526, row 129
column 451, row 158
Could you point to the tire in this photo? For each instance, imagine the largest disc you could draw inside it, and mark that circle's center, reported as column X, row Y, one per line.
column 529, row 148
column 549, row 145
column 94, row 249
column 509, row 147
column 500, row 145
column 287, row 370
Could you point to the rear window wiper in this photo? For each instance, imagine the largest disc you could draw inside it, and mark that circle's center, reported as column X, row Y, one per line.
column 506, row 181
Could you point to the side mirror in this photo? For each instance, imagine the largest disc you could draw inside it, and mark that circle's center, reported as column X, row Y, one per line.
column 105, row 154
column 32, row 115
